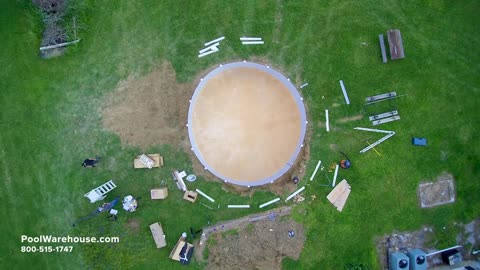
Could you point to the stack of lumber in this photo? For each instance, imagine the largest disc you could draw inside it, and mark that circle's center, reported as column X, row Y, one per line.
column 339, row 195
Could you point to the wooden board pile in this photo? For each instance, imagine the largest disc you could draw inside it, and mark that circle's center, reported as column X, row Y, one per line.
column 339, row 195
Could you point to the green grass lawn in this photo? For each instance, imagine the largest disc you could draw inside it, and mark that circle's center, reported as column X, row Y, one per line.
column 50, row 121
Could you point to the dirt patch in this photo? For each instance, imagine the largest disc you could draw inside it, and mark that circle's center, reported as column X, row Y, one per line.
column 351, row 118
column 253, row 242
column 437, row 193
column 133, row 225
column 151, row 110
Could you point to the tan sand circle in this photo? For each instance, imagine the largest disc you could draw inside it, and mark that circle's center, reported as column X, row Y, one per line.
column 246, row 123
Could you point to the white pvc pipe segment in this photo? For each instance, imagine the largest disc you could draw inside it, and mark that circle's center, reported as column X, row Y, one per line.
column 212, row 47
column 206, row 53
column 204, row 195
column 215, row 40
column 250, row 38
column 252, row 42
column 295, row 193
column 270, row 202
column 327, row 124
column 347, row 100
column 238, row 206
column 316, row 169
column 335, row 176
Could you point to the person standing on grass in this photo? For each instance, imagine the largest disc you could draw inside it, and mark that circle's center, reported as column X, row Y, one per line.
column 90, row 162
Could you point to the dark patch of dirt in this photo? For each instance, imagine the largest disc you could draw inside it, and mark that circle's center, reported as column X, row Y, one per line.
column 437, row 193
column 133, row 225
column 151, row 110
column 253, row 242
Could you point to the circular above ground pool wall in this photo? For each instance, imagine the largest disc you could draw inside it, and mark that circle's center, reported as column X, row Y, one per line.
column 246, row 123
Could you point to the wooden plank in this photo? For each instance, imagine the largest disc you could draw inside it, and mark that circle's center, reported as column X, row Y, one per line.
column 343, row 200
column 341, row 197
column 337, row 191
column 396, row 44
column 383, row 115
column 386, row 120
column 382, row 47
column 340, row 191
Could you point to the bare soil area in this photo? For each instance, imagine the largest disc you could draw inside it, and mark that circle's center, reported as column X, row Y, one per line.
column 437, row 193
column 151, row 110
column 253, row 242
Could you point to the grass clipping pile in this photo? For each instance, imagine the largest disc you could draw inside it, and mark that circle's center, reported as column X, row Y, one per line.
column 257, row 245
column 150, row 110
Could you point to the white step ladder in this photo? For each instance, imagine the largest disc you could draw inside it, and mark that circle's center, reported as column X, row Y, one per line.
column 100, row 192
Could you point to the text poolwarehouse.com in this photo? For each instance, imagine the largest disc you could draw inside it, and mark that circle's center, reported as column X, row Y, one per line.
column 68, row 239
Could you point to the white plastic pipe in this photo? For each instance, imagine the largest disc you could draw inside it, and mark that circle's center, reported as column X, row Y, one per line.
column 335, row 176
column 204, row 195
column 252, row 42
column 206, row 53
column 295, row 193
column 270, row 202
column 238, row 206
column 344, row 93
column 316, row 169
column 215, row 40
column 303, row 85
column 250, row 38
column 440, row 251
column 327, row 124
column 212, row 47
